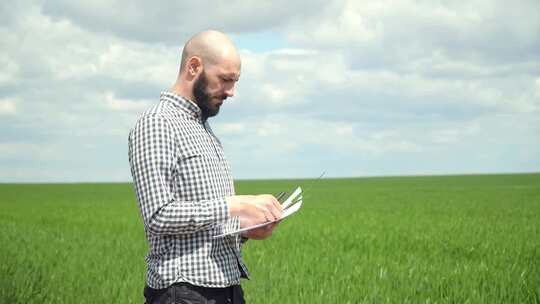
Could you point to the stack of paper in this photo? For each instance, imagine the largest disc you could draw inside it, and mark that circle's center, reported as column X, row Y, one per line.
column 290, row 206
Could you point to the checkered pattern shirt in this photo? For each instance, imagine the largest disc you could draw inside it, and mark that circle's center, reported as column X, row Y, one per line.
column 181, row 179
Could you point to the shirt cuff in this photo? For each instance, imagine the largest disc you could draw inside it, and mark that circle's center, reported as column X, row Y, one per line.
column 222, row 210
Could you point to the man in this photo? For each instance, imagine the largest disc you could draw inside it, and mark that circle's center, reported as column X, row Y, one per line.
column 184, row 186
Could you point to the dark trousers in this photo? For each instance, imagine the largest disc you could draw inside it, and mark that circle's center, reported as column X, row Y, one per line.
column 184, row 293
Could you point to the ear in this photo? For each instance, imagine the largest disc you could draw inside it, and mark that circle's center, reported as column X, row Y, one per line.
column 194, row 66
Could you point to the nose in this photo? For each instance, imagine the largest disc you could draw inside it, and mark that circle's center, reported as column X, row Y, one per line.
column 229, row 91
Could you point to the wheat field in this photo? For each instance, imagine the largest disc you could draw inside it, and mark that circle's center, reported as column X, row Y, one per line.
column 429, row 239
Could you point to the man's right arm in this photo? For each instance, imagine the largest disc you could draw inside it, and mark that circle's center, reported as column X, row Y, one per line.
column 152, row 150
column 152, row 159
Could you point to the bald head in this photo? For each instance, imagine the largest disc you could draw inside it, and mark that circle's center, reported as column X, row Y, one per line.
column 211, row 47
column 209, row 71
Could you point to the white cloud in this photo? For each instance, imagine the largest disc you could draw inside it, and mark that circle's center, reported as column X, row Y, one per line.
column 229, row 128
column 276, row 94
column 122, row 104
column 131, row 61
column 60, row 50
column 377, row 87
column 400, row 31
column 268, row 128
column 145, row 21
column 285, row 78
column 328, row 136
column 344, row 130
column 7, row 107
column 29, row 151
column 537, row 88
column 445, row 136
column 9, row 71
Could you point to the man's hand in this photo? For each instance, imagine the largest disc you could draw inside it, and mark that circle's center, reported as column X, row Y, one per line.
column 260, row 233
column 253, row 210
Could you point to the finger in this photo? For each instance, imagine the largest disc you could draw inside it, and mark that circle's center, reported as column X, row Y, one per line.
column 271, row 200
column 275, row 213
column 274, row 207
column 267, row 215
column 276, row 204
column 261, row 215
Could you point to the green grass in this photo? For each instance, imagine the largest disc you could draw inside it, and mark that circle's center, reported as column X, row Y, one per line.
column 447, row 239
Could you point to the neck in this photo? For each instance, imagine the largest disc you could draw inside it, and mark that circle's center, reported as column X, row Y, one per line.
column 183, row 91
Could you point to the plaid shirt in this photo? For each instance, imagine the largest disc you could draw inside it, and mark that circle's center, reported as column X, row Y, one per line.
column 181, row 179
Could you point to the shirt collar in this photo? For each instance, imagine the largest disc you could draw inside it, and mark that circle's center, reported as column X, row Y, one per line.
column 185, row 105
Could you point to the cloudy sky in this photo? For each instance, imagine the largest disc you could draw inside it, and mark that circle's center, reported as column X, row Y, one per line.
column 353, row 88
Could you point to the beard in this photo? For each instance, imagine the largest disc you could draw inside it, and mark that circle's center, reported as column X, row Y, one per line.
column 203, row 98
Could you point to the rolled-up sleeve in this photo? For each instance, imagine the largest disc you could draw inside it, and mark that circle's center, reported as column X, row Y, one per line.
column 152, row 156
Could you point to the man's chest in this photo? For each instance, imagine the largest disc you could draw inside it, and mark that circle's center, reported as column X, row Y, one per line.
column 202, row 171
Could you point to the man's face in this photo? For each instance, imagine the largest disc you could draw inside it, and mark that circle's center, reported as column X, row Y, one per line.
column 214, row 85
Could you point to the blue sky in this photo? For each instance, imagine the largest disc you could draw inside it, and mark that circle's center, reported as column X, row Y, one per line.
column 353, row 88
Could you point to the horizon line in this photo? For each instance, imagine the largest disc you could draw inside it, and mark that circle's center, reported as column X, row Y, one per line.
column 290, row 178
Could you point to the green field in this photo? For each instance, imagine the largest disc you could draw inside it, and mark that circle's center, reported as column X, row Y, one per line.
column 447, row 239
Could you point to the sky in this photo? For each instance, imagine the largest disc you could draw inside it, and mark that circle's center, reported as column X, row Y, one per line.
column 352, row 88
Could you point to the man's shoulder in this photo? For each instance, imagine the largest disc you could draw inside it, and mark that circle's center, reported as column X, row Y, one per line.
column 165, row 114
column 160, row 111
